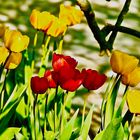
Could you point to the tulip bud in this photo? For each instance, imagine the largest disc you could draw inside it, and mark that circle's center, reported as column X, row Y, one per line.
column 133, row 101
column 39, row 85
column 123, row 63
column 3, row 54
column 133, row 78
column 13, row 60
column 71, row 15
column 15, row 41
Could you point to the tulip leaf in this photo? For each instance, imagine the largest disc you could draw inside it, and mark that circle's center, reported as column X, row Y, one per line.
column 110, row 103
column 114, row 131
column 9, row 133
column 118, row 112
column 19, row 136
column 86, row 125
column 49, row 135
column 68, row 129
column 10, row 106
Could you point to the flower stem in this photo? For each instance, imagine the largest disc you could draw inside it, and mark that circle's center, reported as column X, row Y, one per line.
column 45, row 113
column 34, row 108
column 55, row 108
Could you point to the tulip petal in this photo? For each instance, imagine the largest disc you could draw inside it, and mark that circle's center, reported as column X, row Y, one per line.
column 13, row 60
column 133, row 101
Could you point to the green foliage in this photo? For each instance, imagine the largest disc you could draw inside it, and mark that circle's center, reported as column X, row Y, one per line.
column 114, row 131
column 9, row 133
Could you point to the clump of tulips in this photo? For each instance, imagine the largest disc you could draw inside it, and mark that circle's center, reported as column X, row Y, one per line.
column 40, row 107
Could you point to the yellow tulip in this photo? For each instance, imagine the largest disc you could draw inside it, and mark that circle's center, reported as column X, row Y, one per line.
column 123, row 63
column 70, row 14
column 13, row 60
column 3, row 54
column 15, row 41
column 133, row 78
column 2, row 30
column 57, row 28
column 41, row 20
column 133, row 101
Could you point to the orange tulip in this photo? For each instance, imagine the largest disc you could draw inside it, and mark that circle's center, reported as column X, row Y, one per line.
column 123, row 63
column 57, row 28
column 71, row 15
column 15, row 41
column 3, row 54
column 133, row 78
column 13, row 60
column 133, row 101
column 41, row 20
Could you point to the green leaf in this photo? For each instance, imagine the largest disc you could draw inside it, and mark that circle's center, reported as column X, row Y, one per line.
column 67, row 131
column 114, row 131
column 9, row 133
column 10, row 106
column 118, row 113
column 86, row 126
column 126, row 131
column 110, row 104
column 49, row 135
column 19, row 136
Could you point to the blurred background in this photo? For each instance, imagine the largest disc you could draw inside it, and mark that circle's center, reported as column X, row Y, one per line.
column 79, row 41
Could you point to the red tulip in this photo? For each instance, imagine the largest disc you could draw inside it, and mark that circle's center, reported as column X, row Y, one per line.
column 60, row 61
column 70, row 79
column 39, row 85
column 92, row 79
column 48, row 76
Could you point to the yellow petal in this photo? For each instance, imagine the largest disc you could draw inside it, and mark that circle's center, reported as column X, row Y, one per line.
column 15, row 41
column 70, row 14
column 58, row 27
column 133, row 78
column 123, row 63
column 45, row 20
column 2, row 30
column 133, row 101
column 3, row 54
column 13, row 60
column 34, row 18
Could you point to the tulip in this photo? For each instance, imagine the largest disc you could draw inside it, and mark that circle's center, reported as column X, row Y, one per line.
column 70, row 79
column 133, row 78
column 41, row 20
column 70, row 14
column 51, row 81
column 13, row 60
column 133, row 101
column 3, row 54
column 2, row 30
column 15, row 41
column 123, row 63
column 60, row 61
column 58, row 27
column 92, row 79
column 39, row 85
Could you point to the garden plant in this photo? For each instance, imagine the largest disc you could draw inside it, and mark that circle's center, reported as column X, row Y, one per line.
column 38, row 81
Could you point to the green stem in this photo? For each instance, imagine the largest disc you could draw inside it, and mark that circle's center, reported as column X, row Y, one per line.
column 45, row 111
column 34, row 108
column 62, row 115
column 83, row 114
column 60, row 45
column 2, row 92
column 55, row 108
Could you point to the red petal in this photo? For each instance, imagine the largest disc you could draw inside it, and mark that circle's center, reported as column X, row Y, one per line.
column 39, row 85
